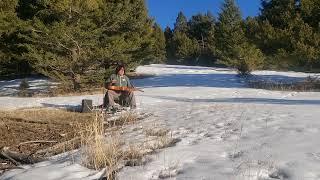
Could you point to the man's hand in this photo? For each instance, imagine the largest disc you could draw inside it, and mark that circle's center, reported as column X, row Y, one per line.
column 110, row 83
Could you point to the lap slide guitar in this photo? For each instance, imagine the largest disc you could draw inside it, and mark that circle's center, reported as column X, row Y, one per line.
column 122, row 88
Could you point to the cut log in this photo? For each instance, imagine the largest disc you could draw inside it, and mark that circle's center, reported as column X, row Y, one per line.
column 19, row 158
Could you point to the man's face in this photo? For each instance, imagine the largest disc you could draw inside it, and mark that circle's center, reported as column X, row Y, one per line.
column 121, row 71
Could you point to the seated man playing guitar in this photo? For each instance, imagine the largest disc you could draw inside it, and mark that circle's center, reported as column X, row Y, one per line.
column 119, row 88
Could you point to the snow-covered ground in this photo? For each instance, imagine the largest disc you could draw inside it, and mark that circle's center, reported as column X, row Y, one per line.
column 227, row 131
column 11, row 87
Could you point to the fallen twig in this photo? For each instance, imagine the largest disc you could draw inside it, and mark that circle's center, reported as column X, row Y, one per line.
column 35, row 122
column 39, row 141
column 57, row 148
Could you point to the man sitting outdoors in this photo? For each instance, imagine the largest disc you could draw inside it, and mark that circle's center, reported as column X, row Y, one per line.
column 119, row 89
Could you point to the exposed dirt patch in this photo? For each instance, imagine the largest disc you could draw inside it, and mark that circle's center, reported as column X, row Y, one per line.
column 42, row 132
column 30, row 130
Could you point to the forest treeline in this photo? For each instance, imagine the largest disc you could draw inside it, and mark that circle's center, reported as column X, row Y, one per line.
column 285, row 35
column 77, row 42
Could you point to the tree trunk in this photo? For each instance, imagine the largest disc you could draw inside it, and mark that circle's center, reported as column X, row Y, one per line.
column 76, row 79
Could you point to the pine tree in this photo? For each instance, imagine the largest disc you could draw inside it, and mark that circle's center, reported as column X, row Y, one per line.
column 305, row 44
column 169, row 45
column 181, row 23
column 233, row 47
column 8, row 21
column 87, row 38
column 127, row 35
column 229, row 32
column 185, row 48
column 158, row 45
column 10, row 50
column 278, row 13
column 288, row 33
column 202, row 28
column 310, row 12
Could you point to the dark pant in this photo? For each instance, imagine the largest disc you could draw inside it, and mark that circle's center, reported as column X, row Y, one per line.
column 124, row 98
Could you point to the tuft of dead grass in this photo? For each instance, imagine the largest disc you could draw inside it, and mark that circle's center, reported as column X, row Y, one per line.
column 125, row 118
column 110, row 152
column 98, row 151
column 162, row 142
column 133, row 156
column 156, row 132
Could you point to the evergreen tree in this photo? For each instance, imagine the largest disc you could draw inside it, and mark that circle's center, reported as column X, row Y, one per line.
column 158, row 45
column 169, row 45
column 181, row 23
column 229, row 32
column 127, row 34
column 233, row 47
column 278, row 13
column 305, row 44
column 202, row 28
column 185, row 48
column 8, row 21
column 310, row 12
column 286, row 35
column 249, row 58
column 200, row 25
column 11, row 62
column 87, row 37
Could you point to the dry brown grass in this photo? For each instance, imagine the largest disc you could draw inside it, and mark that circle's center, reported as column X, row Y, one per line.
column 18, row 126
column 86, row 130
column 98, row 151
column 156, row 131
column 46, row 116
column 309, row 84
column 108, row 152
column 161, row 142
column 133, row 156
column 125, row 118
column 162, row 137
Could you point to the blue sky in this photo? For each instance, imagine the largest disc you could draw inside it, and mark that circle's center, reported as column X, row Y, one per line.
column 165, row 11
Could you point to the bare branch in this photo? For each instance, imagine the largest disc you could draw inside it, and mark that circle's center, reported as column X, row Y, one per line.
column 39, row 141
column 76, row 43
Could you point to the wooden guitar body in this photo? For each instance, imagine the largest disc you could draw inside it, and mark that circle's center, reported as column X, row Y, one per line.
column 122, row 88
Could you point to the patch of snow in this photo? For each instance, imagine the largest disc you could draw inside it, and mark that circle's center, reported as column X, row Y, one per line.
column 11, row 87
column 227, row 131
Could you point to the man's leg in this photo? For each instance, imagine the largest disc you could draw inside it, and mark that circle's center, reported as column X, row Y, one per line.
column 131, row 100
column 110, row 97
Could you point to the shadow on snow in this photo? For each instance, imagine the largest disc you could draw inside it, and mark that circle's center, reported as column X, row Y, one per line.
column 242, row 100
column 207, row 80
